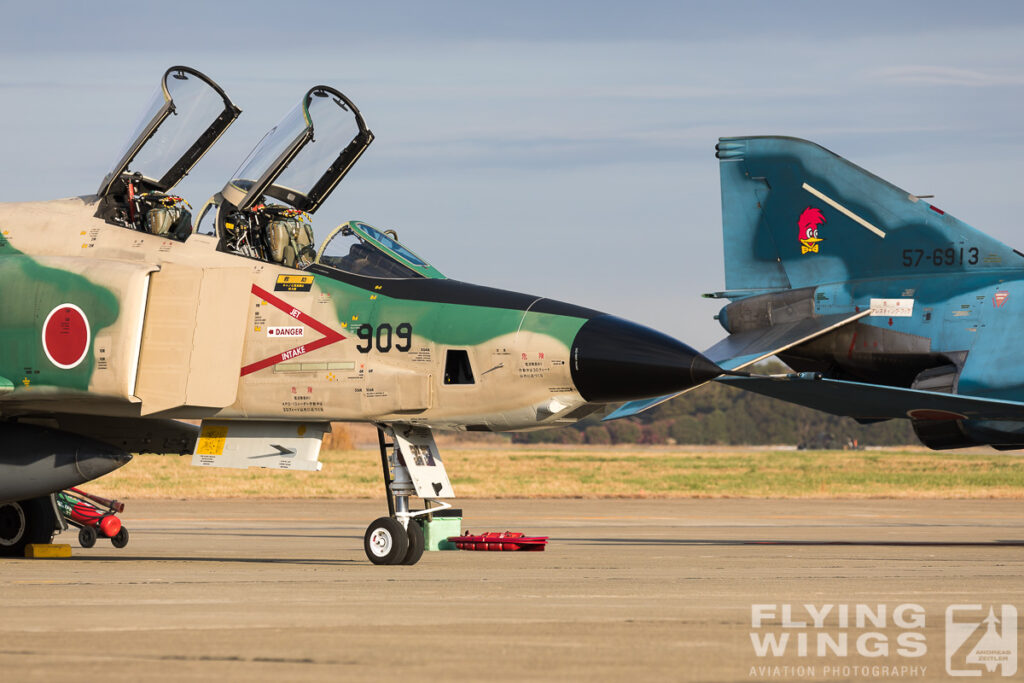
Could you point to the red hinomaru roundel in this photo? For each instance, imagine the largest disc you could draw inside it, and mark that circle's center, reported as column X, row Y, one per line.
column 66, row 336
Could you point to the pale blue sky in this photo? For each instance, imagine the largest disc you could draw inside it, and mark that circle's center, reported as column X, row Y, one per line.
column 559, row 148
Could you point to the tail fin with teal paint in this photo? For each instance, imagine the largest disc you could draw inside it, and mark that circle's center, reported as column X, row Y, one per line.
column 796, row 215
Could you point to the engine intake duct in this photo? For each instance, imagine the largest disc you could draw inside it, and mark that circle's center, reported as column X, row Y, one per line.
column 942, row 435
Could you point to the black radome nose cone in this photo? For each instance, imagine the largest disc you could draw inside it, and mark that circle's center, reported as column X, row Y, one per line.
column 614, row 360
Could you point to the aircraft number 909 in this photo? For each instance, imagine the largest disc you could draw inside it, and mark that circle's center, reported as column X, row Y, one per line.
column 385, row 336
column 950, row 256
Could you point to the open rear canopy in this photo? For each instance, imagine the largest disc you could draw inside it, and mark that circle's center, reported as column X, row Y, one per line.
column 304, row 157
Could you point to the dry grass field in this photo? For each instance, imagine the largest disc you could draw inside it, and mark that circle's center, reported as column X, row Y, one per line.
column 522, row 471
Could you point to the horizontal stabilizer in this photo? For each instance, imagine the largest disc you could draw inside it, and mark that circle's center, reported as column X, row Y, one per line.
column 876, row 402
column 742, row 350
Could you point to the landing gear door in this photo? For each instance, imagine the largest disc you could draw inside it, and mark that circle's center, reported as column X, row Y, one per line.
column 421, row 457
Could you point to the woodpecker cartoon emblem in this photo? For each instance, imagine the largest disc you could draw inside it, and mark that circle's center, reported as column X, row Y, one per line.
column 808, row 224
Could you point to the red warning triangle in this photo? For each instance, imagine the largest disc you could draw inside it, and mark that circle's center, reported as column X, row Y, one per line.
column 330, row 336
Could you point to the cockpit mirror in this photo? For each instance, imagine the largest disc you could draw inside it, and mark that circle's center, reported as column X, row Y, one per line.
column 184, row 118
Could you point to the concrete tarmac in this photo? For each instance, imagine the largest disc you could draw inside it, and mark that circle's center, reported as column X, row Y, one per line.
column 627, row 590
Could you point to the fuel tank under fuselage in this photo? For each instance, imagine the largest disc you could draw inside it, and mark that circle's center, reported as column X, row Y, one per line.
column 37, row 461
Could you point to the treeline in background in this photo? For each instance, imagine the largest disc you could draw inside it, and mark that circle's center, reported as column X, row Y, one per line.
column 716, row 414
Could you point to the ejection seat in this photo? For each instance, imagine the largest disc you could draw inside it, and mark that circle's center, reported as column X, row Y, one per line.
column 289, row 237
column 295, row 168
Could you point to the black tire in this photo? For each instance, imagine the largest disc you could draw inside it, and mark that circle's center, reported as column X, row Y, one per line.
column 120, row 539
column 416, row 543
column 386, row 541
column 13, row 525
column 44, row 519
column 24, row 522
column 87, row 536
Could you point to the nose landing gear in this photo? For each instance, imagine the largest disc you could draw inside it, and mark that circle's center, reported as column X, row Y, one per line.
column 411, row 465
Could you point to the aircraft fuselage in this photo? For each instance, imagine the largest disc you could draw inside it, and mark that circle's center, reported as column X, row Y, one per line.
column 145, row 326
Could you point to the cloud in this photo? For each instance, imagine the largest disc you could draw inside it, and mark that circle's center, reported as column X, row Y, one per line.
column 943, row 75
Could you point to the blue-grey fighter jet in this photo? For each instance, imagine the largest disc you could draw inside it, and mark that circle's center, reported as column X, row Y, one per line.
column 885, row 306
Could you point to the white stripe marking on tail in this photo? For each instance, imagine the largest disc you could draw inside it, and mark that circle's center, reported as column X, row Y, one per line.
column 842, row 209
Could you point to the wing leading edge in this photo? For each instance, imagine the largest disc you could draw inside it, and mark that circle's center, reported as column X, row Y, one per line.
column 739, row 351
column 874, row 401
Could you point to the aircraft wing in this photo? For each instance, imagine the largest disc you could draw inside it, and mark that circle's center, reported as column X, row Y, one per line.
column 738, row 351
column 874, row 401
column 634, row 407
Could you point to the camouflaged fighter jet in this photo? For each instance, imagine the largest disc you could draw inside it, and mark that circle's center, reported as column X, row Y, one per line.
column 885, row 306
column 118, row 317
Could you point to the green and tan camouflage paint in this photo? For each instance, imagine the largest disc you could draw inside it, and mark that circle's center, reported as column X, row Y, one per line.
column 58, row 252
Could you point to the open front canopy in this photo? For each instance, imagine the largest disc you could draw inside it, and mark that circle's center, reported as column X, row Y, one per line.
column 184, row 117
column 303, row 158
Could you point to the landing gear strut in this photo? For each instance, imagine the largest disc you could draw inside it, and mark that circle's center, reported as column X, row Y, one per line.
column 411, row 466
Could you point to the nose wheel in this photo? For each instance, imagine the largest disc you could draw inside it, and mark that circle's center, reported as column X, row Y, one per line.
column 386, row 541
column 415, row 551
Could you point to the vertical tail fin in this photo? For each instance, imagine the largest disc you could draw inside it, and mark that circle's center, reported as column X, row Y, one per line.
column 795, row 215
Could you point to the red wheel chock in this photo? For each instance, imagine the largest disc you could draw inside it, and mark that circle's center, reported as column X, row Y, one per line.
column 508, row 540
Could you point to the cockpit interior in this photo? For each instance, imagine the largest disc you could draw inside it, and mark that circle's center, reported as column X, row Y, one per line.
column 265, row 211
